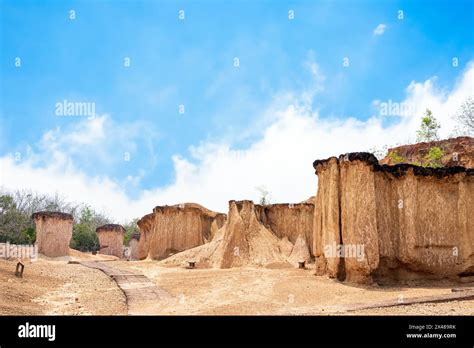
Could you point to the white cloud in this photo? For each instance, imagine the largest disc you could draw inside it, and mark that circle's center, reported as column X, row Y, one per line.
column 380, row 29
column 317, row 76
column 281, row 159
column 99, row 142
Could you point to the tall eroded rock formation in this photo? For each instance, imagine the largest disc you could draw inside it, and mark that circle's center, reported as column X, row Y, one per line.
column 53, row 233
column 111, row 239
column 403, row 221
column 171, row 229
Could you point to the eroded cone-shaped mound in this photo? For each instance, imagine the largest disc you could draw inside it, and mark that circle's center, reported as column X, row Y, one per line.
column 300, row 251
column 247, row 241
column 204, row 255
column 285, row 246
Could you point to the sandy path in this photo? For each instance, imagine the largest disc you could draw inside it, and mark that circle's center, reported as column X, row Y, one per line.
column 140, row 292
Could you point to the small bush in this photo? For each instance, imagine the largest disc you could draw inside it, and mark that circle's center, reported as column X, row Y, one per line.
column 396, row 157
column 434, row 156
column 30, row 235
column 84, row 238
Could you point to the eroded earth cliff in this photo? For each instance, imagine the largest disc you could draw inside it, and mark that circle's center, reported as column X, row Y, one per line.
column 378, row 221
column 171, row 229
column 277, row 235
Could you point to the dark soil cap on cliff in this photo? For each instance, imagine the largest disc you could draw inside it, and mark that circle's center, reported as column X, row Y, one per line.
column 185, row 207
column 146, row 218
column 52, row 215
column 271, row 205
column 396, row 170
column 174, row 208
column 110, row 227
column 290, row 205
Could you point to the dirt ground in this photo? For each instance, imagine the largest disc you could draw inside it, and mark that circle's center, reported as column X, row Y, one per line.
column 288, row 291
column 58, row 288
column 55, row 287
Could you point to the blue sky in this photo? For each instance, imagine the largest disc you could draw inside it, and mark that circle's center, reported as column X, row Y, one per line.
column 191, row 62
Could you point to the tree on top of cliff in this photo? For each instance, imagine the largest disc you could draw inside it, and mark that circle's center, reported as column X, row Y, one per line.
column 264, row 195
column 429, row 128
column 465, row 117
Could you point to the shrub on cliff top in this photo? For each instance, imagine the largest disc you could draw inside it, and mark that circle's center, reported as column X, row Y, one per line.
column 432, row 159
column 434, row 156
column 396, row 157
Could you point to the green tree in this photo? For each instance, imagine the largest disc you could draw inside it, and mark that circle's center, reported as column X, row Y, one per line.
column 84, row 237
column 16, row 208
column 130, row 228
column 14, row 222
column 17, row 226
column 429, row 128
column 29, row 234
